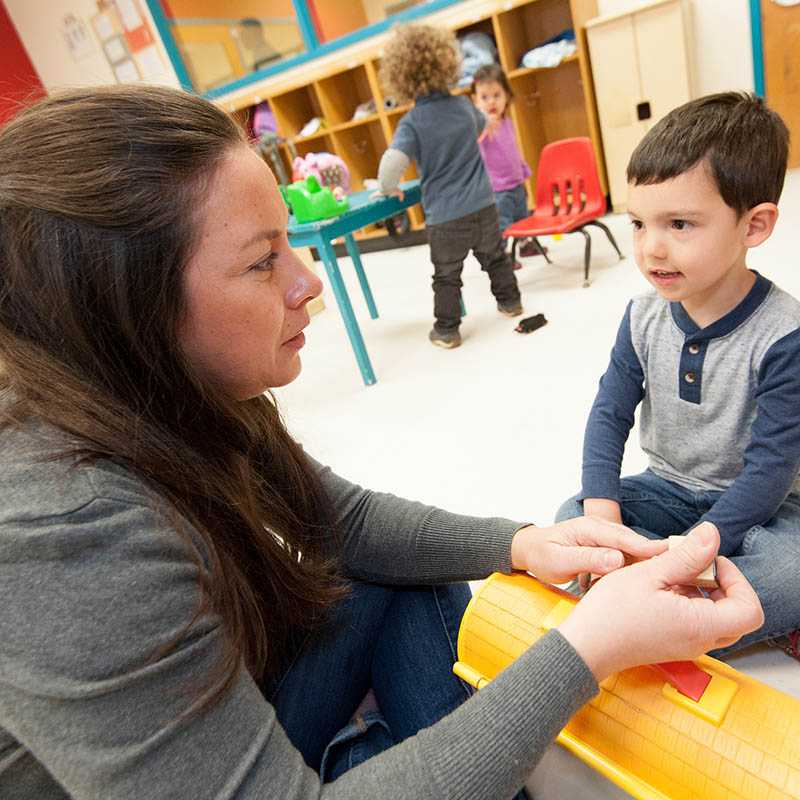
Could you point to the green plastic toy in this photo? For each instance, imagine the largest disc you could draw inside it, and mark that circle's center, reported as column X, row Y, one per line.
column 309, row 201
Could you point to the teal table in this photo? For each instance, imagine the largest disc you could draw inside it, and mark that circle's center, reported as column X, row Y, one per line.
column 363, row 211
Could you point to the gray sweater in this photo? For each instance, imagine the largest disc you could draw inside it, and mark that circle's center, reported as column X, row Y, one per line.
column 93, row 579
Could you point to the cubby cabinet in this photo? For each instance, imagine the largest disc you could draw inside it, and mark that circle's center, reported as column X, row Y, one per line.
column 549, row 104
column 642, row 70
column 293, row 109
column 342, row 93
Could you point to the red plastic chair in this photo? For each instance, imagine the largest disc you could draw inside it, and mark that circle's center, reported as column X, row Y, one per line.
column 568, row 197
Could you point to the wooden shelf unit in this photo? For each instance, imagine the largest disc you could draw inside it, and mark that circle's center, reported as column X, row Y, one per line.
column 549, row 104
column 342, row 92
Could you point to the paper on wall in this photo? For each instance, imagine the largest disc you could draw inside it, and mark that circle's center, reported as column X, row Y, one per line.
column 126, row 72
column 103, row 26
column 129, row 14
column 149, row 62
column 115, row 49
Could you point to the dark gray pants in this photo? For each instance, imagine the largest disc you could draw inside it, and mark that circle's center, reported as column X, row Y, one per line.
column 450, row 244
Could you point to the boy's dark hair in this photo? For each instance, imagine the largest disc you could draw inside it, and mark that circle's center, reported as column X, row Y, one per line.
column 745, row 143
column 489, row 73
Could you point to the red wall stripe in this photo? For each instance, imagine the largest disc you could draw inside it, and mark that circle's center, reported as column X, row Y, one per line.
column 19, row 81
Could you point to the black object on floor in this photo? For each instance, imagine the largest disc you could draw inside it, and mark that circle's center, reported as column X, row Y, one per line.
column 530, row 324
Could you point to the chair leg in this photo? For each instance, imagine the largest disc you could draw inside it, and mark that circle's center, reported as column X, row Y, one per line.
column 543, row 250
column 539, row 246
column 587, row 254
column 513, row 251
column 608, row 233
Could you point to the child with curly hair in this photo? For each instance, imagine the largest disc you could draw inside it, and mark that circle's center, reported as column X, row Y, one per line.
column 440, row 133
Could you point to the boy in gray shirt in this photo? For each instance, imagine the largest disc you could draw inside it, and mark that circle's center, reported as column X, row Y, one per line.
column 441, row 134
column 712, row 355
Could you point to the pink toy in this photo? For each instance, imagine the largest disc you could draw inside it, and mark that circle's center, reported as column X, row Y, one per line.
column 327, row 168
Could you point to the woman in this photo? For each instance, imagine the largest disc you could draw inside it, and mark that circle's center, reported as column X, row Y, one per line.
column 192, row 607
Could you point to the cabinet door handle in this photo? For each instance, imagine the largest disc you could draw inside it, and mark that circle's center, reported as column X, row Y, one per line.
column 643, row 110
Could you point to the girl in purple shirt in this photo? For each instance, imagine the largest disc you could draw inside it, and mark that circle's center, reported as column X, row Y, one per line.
column 507, row 168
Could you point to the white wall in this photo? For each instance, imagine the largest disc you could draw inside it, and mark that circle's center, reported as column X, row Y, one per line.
column 39, row 24
column 723, row 52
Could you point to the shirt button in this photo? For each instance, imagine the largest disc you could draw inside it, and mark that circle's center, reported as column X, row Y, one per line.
column 694, row 349
column 689, row 377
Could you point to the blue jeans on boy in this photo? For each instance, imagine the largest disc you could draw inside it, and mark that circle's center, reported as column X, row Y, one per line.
column 398, row 641
column 769, row 556
column 512, row 205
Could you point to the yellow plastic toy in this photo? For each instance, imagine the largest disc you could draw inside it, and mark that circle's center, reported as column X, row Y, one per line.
column 739, row 741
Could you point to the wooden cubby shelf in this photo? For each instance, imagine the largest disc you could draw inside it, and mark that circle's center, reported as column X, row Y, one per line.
column 294, row 109
column 361, row 148
column 516, row 73
column 398, row 111
column 549, row 104
column 355, row 122
column 342, row 93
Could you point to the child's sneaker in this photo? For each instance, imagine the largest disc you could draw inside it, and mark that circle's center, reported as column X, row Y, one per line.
column 446, row 339
column 510, row 309
column 517, row 265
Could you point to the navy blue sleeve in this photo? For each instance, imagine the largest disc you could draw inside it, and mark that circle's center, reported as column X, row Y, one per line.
column 405, row 138
column 772, row 458
column 611, row 418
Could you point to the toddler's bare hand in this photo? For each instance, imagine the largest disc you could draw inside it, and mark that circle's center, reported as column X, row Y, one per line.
column 492, row 124
column 398, row 193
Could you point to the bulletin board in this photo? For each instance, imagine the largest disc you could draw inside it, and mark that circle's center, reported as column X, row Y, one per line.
column 128, row 41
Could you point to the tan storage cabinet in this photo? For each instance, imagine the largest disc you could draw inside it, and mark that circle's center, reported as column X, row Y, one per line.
column 641, row 65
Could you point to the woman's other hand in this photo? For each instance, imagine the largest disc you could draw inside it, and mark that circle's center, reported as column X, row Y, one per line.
column 641, row 615
column 559, row 553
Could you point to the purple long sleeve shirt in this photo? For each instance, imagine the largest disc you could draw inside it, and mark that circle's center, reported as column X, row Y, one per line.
column 504, row 163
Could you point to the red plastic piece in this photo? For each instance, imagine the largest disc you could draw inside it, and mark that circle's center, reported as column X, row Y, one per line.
column 566, row 169
column 685, row 676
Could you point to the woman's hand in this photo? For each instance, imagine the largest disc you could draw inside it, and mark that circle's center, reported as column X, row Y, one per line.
column 641, row 615
column 561, row 552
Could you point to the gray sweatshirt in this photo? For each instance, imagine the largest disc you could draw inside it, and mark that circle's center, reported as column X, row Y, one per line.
column 94, row 579
column 720, row 406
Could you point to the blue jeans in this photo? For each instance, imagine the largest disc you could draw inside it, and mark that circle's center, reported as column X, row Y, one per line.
column 398, row 641
column 512, row 205
column 769, row 556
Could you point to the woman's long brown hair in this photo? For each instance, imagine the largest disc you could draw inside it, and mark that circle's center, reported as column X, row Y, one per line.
column 98, row 189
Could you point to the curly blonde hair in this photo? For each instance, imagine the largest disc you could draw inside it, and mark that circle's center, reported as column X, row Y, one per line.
column 419, row 60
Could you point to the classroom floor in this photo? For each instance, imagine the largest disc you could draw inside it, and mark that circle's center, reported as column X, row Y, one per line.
column 493, row 427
